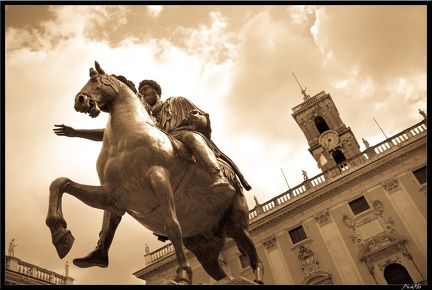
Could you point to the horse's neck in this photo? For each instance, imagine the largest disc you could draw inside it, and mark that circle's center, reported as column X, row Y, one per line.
column 126, row 111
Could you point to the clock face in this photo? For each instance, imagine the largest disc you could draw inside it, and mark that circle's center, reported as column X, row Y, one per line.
column 329, row 139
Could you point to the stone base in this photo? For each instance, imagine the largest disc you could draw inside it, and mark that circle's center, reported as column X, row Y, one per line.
column 167, row 282
column 235, row 281
column 225, row 281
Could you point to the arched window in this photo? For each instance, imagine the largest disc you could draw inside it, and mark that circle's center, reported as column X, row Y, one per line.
column 338, row 156
column 397, row 274
column 321, row 124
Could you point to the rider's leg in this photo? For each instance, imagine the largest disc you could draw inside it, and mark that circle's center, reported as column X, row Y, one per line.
column 99, row 257
column 205, row 157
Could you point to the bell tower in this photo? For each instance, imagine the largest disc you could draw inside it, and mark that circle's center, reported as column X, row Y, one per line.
column 330, row 141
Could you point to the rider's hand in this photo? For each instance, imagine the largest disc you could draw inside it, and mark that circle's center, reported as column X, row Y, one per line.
column 64, row 130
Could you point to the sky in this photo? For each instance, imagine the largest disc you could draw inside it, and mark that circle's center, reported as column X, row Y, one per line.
column 236, row 62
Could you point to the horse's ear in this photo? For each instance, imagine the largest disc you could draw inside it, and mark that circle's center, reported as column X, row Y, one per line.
column 92, row 72
column 98, row 68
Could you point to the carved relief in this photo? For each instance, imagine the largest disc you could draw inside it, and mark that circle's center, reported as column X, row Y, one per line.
column 308, row 260
column 389, row 261
column 318, row 278
column 376, row 238
column 378, row 241
column 377, row 204
column 365, row 220
column 385, row 219
column 323, row 217
column 270, row 243
column 354, row 235
column 348, row 221
column 391, row 184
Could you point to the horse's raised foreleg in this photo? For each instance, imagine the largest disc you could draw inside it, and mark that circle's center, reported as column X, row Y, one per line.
column 161, row 186
column 94, row 196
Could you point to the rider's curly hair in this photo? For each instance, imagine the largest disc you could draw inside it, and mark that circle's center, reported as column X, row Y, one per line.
column 152, row 84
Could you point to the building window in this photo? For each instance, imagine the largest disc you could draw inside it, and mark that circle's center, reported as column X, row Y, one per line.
column 321, row 124
column 297, row 235
column 339, row 157
column 397, row 274
column 420, row 174
column 244, row 260
column 359, row 205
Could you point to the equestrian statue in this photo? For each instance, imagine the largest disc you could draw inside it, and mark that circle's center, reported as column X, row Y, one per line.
column 143, row 172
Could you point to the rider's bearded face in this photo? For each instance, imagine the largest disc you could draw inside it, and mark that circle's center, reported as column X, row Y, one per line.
column 150, row 95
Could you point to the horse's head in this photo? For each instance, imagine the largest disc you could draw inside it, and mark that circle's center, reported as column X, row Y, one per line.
column 98, row 93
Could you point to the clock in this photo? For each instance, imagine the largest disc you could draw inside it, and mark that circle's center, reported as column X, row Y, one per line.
column 329, row 139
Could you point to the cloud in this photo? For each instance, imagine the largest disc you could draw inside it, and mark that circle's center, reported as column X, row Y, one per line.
column 353, row 35
column 154, row 10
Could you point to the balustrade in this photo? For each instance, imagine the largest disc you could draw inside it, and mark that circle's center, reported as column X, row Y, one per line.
column 27, row 269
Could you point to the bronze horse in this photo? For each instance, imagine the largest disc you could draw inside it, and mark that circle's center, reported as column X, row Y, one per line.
column 142, row 174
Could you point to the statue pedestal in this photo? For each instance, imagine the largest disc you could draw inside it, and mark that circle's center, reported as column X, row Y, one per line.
column 234, row 281
column 225, row 281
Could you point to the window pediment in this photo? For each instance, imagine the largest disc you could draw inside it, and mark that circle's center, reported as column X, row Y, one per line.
column 381, row 245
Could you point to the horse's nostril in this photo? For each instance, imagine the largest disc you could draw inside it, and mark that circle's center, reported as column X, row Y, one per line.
column 81, row 99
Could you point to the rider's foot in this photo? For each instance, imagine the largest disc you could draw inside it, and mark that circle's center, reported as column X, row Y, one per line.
column 95, row 258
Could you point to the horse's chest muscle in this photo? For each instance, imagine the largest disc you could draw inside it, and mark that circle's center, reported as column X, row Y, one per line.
column 119, row 156
column 125, row 155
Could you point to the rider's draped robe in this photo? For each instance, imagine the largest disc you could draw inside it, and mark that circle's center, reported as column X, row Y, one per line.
column 171, row 116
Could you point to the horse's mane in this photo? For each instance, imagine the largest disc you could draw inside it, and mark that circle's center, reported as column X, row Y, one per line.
column 131, row 85
column 127, row 82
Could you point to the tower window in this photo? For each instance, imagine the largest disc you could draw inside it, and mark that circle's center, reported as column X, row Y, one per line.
column 359, row 205
column 338, row 157
column 420, row 174
column 297, row 235
column 321, row 124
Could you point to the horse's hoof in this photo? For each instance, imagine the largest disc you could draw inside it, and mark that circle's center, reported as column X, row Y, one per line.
column 184, row 276
column 259, row 273
column 183, row 279
column 64, row 243
column 183, row 282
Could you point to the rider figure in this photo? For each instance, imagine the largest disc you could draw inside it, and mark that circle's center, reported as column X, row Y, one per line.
column 181, row 119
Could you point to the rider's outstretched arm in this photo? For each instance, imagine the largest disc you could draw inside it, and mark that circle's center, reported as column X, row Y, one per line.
column 91, row 134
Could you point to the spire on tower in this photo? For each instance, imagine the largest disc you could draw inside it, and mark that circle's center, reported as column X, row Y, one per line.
column 303, row 91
